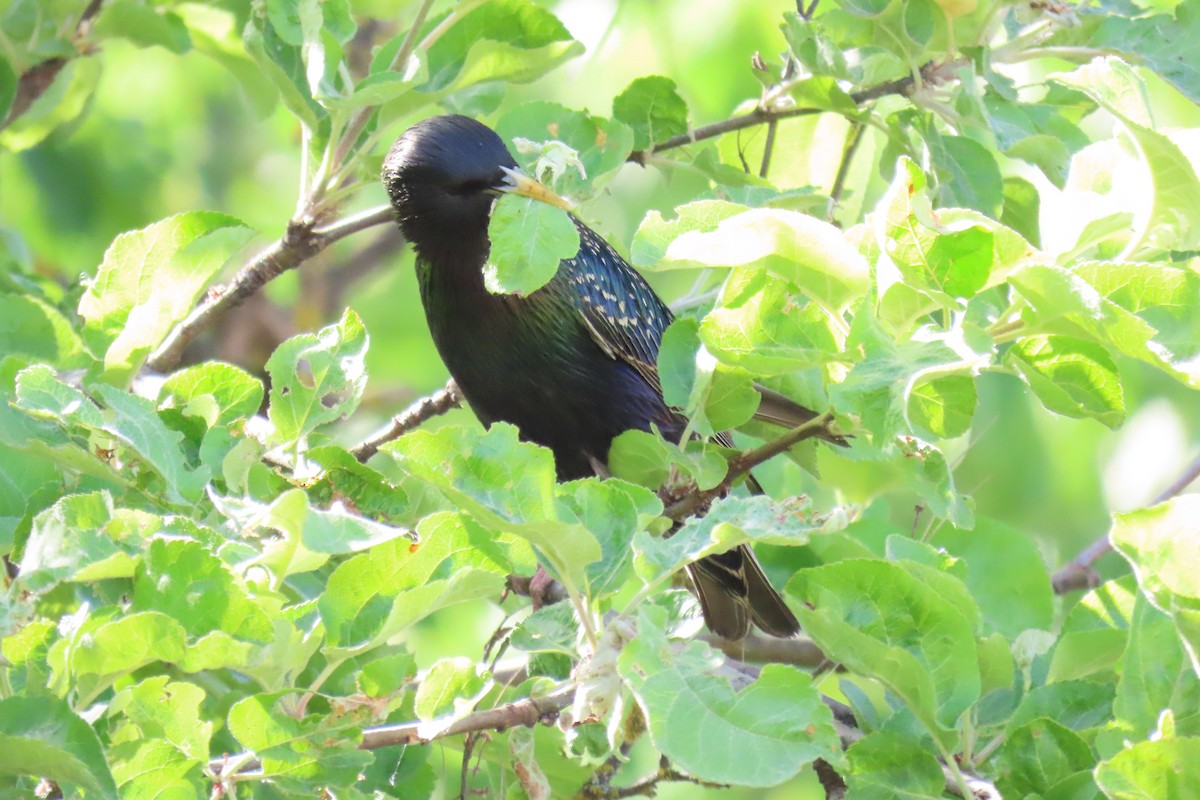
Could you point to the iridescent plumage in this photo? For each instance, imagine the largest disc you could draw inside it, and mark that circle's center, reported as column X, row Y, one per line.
column 571, row 365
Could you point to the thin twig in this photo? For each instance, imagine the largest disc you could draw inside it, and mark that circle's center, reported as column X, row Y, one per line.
column 356, row 125
column 761, row 116
column 739, row 465
column 1078, row 573
column 853, row 138
column 299, row 243
column 436, row 404
column 768, row 147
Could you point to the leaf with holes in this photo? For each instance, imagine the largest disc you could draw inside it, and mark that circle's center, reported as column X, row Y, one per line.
column 317, row 378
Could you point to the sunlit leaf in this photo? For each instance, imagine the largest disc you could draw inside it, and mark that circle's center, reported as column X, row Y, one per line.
column 758, row 736
column 149, row 281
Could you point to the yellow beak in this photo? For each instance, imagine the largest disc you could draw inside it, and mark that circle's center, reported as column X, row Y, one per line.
column 518, row 183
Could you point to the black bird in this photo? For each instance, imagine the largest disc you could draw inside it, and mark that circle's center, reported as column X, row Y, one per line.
column 571, row 365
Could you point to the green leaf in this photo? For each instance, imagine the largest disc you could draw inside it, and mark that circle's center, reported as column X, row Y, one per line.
column 1022, row 208
column 730, row 400
column 950, row 253
column 1006, row 575
column 82, row 538
column 529, row 238
column 42, row 394
column 759, row 736
column 1156, row 677
column 506, row 484
column 613, row 511
column 1072, row 377
column 134, row 421
column 1173, row 219
column 170, row 710
column 58, row 106
column 33, row 328
column 149, row 280
column 944, row 405
column 879, row 620
column 297, row 751
column 812, row 255
column 641, row 458
column 41, row 737
column 730, row 522
column 601, row 145
column 879, row 386
column 1163, row 769
column 955, row 263
column 885, row 765
column 317, row 379
column 1064, row 302
column 677, row 361
column 1078, row 705
column 236, row 394
column 1161, row 294
column 386, row 675
column 1159, row 543
column 184, row 580
column 1040, row 754
column 654, row 236
column 143, row 26
column 374, row 595
column 278, row 56
column 123, row 645
column 507, row 40
column 1163, row 42
column 653, row 109
column 967, row 174
column 373, row 495
column 447, row 685
column 762, row 325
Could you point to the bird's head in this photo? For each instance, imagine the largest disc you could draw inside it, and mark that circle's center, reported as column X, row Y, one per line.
column 442, row 176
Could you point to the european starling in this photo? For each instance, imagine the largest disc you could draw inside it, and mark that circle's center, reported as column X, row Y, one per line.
column 571, row 365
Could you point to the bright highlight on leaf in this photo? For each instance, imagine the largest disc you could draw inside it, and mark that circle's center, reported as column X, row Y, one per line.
column 529, row 238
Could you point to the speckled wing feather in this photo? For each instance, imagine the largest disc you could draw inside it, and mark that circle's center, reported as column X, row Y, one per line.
column 621, row 312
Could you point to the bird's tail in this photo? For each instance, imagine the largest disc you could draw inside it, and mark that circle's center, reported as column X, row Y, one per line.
column 734, row 592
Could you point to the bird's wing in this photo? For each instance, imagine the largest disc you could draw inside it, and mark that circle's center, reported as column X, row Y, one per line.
column 621, row 312
column 626, row 318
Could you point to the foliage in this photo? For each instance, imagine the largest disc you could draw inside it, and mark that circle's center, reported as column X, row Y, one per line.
column 208, row 593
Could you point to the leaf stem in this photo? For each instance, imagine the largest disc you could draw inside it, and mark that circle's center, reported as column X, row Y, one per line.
column 360, row 119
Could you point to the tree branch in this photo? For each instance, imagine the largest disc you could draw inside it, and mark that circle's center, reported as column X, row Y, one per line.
column 436, row 404
column 739, row 465
column 522, row 713
column 769, row 650
column 761, row 115
column 853, row 138
column 768, row 148
column 831, row 781
column 300, row 242
column 1078, row 574
column 34, row 81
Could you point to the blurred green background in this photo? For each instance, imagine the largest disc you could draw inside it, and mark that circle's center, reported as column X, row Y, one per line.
column 167, row 133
